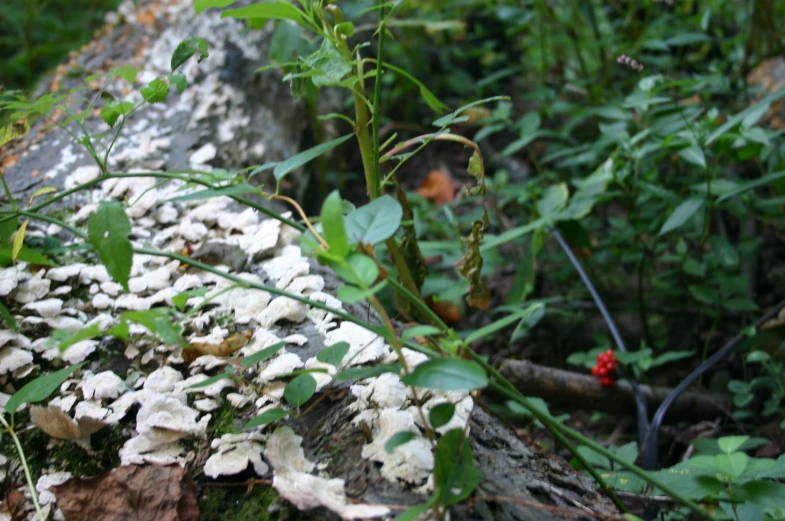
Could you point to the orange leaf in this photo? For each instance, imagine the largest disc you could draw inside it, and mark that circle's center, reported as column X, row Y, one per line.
column 437, row 187
column 447, row 311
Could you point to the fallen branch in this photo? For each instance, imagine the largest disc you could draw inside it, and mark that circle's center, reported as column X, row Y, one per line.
column 567, row 389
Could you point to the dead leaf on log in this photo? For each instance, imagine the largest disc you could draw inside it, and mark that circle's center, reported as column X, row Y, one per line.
column 14, row 505
column 149, row 493
column 57, row 424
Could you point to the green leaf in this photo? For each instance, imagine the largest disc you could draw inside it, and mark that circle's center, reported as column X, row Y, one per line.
column 441, row 414
column 362, row 271
column 738, row 118
column 266, row 417
column 750, row 185
column 228, row 373
column 298, row 160
column 216, row 192
column 681, row 214
column 432, row 101
column 447, row 374
column 187, row 48
column 159, row 321
column 732, row 464
column 112, row 111
column 201, row 5
column 758, row 357
column 107, row 230
column 7, row 230
column 332, row 225
column 423, row 330
column 553, row 201
column 446, row 121
column 398, row 439
column 261, row 356
column 375, row 221
column 280, row 10
column 693, row 154
column 730, row 444
column 178, row 80
column 334, row 354
column 39, row 389
column 65, row 338
column 412, row 513
column 8, row 318
column 502, row 322
column 594, row 458
column 19, row 240
column 181, row 298
column 353, row 294
column 300, row 389
column 329, row 65
column 155, row 92
column 723, row 252
column 454, row 473
column 360, row 373
column 127, row 72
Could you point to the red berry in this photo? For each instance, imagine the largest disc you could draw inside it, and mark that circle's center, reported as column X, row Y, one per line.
column 607, row 381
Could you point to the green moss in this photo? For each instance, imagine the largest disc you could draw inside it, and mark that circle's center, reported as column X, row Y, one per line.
column 260, row 503
column 224, row 421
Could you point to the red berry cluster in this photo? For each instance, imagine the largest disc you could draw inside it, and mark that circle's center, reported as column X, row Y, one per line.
column 606, row 364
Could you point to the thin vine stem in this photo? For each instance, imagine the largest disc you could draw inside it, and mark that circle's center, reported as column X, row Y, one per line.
column 26, row 467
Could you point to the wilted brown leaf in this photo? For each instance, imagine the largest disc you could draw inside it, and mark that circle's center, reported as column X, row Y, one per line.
column 447, row 311
column 470, row 266
column 437, row 187
column 149, row 493
column 57, row 424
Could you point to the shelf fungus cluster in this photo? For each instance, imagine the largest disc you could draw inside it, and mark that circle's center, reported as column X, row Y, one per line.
column 155, row 394
column 161, row 400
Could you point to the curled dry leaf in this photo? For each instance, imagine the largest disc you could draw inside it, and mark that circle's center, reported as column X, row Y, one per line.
column 232, row 343
column 470, row 266
column 437, row 187
column 57, row 424
column 149, row 493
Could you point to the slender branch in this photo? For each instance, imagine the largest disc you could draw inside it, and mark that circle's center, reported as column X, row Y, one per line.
column 650, row 443
column 26, row 467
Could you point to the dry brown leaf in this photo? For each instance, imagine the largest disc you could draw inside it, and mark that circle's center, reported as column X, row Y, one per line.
column 437, row 187
column 14, row 504
column 149, row 493
column 57, row 424
column 447, row 311
column 232, row 343
column 470, row 266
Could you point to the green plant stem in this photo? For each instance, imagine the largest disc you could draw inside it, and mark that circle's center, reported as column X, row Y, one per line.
column 377, row 96
column 26, row 467
column 11, row 199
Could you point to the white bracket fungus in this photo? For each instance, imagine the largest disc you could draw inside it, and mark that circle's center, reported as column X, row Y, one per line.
column 234, row 453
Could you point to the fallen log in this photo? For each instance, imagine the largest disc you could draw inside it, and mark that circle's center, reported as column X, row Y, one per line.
column 578, row 391
column 330, row 460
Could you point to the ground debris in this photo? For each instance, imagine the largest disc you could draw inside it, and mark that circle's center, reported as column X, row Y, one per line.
column 152, row 492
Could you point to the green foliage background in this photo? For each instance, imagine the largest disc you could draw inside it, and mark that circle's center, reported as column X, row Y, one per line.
column 36, row 35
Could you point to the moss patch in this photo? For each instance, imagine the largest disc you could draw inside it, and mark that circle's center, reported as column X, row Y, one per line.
column 260, row 503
